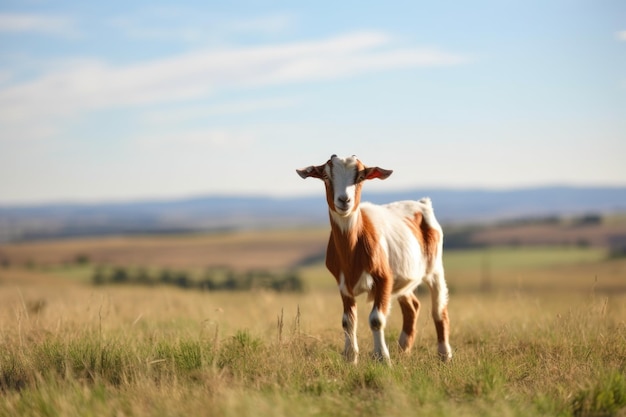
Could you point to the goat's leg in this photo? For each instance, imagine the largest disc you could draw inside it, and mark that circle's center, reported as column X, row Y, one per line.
column 410, row 306
column 439, row 296
column 378, row 317
column 349, row 321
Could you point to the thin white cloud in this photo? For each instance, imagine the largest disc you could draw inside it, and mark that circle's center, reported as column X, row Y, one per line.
column 197, row 141
column 34, row 23
column 186, row 113
column 94, row 85
column 265, row 24
column 5, row 76
column 175, row 23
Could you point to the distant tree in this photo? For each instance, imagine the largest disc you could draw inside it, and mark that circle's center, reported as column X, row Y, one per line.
column 290, row 282
column 617, row 245
column 98, row 277
column 182, row 280
column 231, row 282
column 461, row 239
column 588, row 219
column 81, row 259
column 583, row 243
column 120, row 276
column 166, row 277
column 207, row 284
column 143, row 277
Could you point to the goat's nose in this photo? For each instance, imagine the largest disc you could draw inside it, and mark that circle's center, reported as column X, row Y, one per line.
column 344, row 199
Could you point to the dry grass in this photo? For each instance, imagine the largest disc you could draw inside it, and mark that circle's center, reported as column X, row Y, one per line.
column 548, row 337
column 76, row 350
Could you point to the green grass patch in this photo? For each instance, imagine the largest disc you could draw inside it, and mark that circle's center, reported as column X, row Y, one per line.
column 530, row 257
column 605, row 397
column 505, row 267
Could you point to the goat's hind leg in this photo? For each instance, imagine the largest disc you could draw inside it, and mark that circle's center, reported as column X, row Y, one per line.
column 439, row 297
column 410, row 306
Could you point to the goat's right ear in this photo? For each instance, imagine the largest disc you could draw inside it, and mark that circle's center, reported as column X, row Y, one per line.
column 312, row 171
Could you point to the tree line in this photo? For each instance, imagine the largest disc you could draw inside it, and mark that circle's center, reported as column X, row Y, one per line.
column 213, row 279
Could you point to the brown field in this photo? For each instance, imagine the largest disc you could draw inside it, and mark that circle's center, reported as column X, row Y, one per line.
column 561, row 232
column 239, row 250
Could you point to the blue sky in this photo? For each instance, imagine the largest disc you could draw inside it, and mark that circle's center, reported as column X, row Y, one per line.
column 121, row 100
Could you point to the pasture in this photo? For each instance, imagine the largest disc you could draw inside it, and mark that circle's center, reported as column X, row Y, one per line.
column 535, row 331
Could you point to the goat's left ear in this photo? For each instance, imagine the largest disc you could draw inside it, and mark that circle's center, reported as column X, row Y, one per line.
column 312, row 171
column 369, row 173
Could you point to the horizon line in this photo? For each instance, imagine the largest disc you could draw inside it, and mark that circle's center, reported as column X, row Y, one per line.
column 69, row 201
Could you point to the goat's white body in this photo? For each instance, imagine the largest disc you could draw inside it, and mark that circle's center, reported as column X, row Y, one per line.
column 404, row 253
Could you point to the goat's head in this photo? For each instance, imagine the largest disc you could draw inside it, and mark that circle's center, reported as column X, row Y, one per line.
column 343, row 178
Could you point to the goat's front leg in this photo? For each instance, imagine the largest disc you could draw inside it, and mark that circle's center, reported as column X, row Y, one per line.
column 378, row 317
column 348, row 322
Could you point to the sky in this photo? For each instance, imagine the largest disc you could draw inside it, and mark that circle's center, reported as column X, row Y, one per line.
column 121, row 101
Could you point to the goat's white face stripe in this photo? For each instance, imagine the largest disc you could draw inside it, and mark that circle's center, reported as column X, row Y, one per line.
column 343, row 174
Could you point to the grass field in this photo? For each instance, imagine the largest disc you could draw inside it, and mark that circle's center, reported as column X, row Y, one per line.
column 535, row 331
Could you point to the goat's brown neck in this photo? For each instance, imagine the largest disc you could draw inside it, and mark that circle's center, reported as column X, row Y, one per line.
column 346, row 236
column 355, row 244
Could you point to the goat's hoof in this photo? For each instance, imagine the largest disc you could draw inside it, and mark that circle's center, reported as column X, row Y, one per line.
column 352, row 358
column 445, row 351
column 381, row 358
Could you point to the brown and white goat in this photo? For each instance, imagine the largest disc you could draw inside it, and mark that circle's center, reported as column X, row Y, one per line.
column 385, row 251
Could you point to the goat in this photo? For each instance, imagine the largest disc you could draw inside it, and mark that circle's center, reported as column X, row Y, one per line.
column 385, row 251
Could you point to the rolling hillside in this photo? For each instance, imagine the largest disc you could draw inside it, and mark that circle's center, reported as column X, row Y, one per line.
column 212, row 213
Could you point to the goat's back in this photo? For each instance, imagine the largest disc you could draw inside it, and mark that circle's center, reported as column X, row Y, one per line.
column 409, row 234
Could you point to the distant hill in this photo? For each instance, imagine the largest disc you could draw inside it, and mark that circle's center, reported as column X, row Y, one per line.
column 241, row 212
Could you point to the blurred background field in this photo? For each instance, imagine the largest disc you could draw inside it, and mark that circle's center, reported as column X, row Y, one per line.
column 562, row 256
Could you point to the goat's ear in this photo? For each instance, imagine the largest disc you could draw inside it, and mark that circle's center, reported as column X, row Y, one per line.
column 312, row 171
column 369, row 173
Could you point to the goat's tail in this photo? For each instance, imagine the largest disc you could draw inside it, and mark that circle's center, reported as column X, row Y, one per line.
column 426, row 201
column 429, row 212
